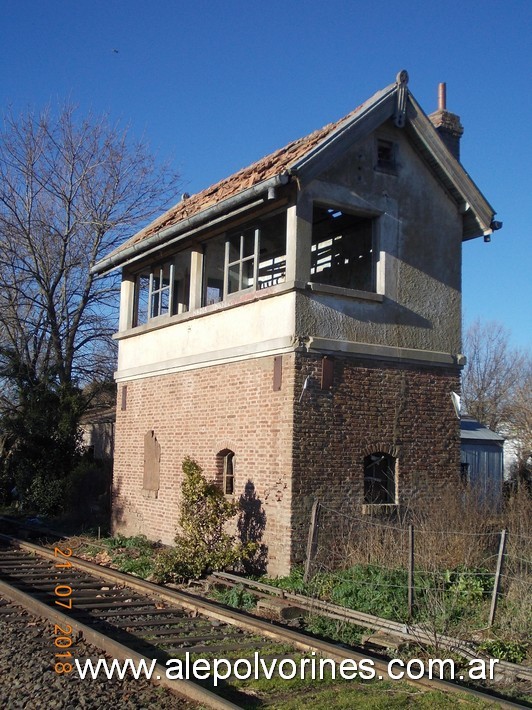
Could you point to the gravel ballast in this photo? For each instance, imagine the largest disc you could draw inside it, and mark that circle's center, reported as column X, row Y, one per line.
column 28, row 679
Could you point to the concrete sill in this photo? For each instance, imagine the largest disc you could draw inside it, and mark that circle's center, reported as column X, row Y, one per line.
column 346, row 292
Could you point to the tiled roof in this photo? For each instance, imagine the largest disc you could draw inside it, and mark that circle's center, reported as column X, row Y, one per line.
column 267, row 167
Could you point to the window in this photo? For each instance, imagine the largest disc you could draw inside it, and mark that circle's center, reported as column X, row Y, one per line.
column 225, row 465
column 241, row 261
column 229, row 473
column 250, row 258
column 379, row 478
column 465, row 473
column 163, row 290
column 343, row 252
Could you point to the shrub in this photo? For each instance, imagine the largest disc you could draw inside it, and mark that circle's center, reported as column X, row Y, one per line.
column 202, row 545
column 237, row 597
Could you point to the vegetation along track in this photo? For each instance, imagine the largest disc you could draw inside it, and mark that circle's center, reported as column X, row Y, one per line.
column 129, row 618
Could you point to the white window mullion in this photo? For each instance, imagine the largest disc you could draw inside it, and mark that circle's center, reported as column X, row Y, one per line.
column 256, row 259
column 226, row 269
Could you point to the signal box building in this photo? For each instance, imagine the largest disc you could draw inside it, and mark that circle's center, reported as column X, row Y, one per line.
column 295, row 328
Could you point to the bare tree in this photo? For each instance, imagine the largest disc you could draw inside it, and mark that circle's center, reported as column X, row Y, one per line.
column 497, row 386
column 70, row 191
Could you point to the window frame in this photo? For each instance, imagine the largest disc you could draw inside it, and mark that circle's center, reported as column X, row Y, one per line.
column 159, row 290
column 229, row 474
column 242, row 259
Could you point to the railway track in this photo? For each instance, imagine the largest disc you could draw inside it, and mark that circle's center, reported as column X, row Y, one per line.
column 129, row 618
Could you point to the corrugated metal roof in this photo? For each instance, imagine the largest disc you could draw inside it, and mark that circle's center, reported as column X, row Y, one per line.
column 471, row 429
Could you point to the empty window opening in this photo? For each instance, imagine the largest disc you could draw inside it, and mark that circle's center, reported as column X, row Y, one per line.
column 343, row 251
column 465, row 473
column 379, row 478
column 272, row 251
column 213, row 271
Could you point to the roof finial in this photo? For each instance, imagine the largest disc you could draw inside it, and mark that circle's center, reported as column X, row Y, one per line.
column 401, row 98
column 402, row 77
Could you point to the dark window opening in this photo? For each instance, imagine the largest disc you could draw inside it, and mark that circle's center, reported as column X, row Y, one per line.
column 386, row 152
column 465, row 472
column 343, row 252
column 379, row 479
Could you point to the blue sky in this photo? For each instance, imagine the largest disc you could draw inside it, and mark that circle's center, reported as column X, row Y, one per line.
column 216, row 85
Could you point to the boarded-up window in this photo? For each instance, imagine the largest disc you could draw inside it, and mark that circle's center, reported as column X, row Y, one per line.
column 152, row 465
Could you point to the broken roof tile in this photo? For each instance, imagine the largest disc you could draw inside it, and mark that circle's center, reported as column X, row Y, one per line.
column 265, row 168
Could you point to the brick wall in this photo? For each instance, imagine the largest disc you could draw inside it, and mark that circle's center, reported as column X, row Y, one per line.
column 287, row 453
column 198, row 413
column 372, row 407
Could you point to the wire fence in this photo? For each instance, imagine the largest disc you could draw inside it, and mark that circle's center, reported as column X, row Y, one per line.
column 460, row 564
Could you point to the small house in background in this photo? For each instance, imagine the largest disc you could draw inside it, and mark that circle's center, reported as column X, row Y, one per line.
column 482, row 459
column 98, row 432
column 97, row 426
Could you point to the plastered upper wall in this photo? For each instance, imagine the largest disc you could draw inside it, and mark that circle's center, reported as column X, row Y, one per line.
column 419, row 241
column 252, row 328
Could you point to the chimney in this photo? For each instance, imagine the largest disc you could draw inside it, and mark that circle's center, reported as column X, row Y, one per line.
column 446, row 123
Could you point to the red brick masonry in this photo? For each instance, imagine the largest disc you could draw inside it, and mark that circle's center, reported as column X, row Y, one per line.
column 287, row 452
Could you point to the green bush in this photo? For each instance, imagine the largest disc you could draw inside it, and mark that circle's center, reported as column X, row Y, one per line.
column 512, row 651
column 202, row 545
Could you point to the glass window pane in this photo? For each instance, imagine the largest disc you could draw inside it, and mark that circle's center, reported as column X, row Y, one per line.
column 247, row 273
column 143, row 286
column 233, row 280
column 234, row 248
column 248, row 239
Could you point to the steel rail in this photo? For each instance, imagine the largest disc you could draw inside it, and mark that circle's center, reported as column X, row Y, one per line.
column 252, row 624
column 185, row 688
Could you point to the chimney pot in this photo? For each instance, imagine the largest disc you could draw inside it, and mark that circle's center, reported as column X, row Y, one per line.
column 446, row 123
column 442, row 96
